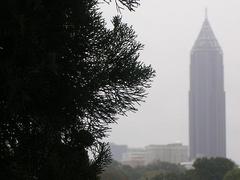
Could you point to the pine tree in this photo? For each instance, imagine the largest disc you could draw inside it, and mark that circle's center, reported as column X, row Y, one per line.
column 64, row 77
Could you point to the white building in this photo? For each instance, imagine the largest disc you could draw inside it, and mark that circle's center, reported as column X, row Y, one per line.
column 172, row 153
column 134, row 157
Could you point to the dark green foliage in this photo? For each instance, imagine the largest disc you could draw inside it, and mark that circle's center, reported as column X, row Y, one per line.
column 168, row 176
column 204, row 169
column 212, row 168
column 166, row 167
column 114, row 171
column 190, row 175
column 233, row 175
column 155, row 170
column 165, row 171
column 64, row 77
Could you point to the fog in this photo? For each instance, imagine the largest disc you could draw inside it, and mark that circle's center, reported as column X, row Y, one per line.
column 168, row 30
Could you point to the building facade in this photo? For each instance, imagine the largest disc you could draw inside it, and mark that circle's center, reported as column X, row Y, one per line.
column 117, row 151
column 172, row 153
column 134, row 157
column 207, row 128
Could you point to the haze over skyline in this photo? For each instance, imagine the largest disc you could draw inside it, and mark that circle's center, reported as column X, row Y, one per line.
column 168, row 29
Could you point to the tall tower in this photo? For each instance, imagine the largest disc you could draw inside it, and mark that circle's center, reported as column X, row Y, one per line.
column 207, row 129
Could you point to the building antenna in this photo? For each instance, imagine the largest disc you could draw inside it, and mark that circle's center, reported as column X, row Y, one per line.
column 206, row 13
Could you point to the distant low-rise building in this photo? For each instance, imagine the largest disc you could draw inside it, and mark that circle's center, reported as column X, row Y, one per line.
column 172, row 153
column 188, row 165
column 118, row 151
column 134, row 157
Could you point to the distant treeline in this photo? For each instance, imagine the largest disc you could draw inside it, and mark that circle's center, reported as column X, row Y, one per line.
column 203, row 169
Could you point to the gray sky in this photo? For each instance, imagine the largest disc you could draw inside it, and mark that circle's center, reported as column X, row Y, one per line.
column 168, row 29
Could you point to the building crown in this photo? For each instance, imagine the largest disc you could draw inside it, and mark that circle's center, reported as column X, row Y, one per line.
column 206, row 40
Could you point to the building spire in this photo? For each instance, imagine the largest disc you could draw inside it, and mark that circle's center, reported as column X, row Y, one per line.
column 206, row 39
column 206, row 13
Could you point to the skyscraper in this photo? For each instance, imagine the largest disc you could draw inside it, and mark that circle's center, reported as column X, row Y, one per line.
column 207, row 128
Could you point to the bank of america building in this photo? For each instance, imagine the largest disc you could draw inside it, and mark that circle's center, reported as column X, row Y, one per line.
column 207, row 129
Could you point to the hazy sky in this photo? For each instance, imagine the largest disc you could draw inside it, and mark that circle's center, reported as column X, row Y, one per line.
column 168, row 29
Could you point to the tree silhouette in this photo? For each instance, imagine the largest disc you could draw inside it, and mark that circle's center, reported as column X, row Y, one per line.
column 130, row 4
column 64, row 77
column 212, row 168
column 232, row 175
